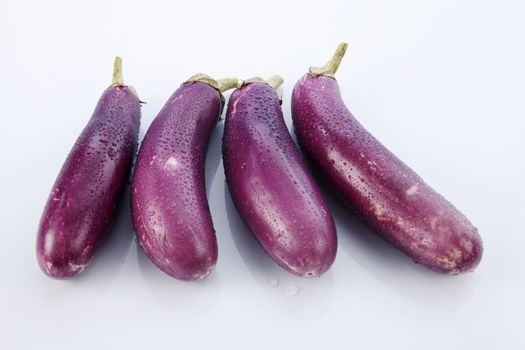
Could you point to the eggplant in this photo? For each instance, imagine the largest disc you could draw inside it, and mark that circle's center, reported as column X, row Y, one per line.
column 170, row 211
column 270, row 186
column 84, row 198
column 384, row 192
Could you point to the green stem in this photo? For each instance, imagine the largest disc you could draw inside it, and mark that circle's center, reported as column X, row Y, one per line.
column 275, row 81
column 227, row 84
column 330, row 68
column 117, row 72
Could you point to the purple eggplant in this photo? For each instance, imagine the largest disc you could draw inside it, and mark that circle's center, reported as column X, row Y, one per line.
column 168, row 195
column 390, row 197
column 85, row 195
column 270, row 186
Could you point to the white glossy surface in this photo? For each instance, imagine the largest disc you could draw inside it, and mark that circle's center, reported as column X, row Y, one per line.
column 441, row 83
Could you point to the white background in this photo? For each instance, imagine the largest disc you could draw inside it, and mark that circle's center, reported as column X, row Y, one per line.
column 441, row 83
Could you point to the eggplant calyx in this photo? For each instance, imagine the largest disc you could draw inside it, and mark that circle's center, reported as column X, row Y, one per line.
column 220, row 85
column 274, row 81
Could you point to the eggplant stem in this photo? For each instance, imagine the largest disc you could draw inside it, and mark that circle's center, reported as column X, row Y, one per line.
column 117, row 72
column 275, row 81
column 227, row 84
column 330, row 68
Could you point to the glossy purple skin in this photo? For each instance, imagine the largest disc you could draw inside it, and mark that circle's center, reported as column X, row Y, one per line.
column 380, row 188
column 169, row 206
column 85, row 195
column 270, row 186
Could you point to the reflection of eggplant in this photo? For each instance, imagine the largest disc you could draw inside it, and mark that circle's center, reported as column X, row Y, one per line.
column 385, row 193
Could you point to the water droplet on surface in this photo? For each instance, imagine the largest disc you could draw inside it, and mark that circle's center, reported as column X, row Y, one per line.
column 291, row 290
column 273, row 282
